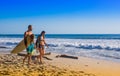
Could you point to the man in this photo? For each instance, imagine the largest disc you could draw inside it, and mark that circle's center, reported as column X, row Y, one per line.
column 27, row 33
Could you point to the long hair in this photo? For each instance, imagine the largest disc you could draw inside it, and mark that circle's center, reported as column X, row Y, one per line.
column 43, row 34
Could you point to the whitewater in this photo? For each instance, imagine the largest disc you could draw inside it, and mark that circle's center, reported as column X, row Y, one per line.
column 107, row 49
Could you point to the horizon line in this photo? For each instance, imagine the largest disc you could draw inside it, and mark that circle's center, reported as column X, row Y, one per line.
column 70, row 34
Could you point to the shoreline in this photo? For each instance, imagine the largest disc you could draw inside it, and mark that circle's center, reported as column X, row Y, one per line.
column 114, row 61
column 94, row 67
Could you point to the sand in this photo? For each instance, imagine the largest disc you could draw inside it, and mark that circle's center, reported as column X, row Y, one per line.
column 11, row 65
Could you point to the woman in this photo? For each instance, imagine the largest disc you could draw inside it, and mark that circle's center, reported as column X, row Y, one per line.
column 40, row 43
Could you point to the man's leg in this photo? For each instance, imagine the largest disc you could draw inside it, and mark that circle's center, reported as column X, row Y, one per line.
column 25, row 58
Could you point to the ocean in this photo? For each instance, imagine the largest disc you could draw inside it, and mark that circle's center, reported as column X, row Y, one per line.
column 99, row 46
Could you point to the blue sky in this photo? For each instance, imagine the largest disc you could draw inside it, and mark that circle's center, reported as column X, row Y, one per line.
column 60, row 16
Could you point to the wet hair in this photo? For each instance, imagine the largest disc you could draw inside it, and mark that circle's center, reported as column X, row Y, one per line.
column 29, row 26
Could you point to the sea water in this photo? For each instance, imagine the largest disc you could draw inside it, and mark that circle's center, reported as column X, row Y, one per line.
column 99, row 46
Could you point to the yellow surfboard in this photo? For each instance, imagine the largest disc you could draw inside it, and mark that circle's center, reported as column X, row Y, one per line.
column 21, row 46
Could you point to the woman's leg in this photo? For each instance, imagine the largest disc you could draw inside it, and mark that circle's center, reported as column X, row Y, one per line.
column 37, row 50
column 40, row 56
column 43, row 51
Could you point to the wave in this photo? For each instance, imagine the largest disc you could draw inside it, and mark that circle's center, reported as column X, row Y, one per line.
column 108, row 56
column 52, row 45
column 11, row 43
column 99, row 47
column 78, row 44
column 3, row 47
column 8, row 44
column 88, row 47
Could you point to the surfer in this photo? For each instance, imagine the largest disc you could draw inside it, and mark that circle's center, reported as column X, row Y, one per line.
column 30, row 47
column 40, row 43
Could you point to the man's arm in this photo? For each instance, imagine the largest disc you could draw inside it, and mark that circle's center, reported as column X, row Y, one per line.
column 25, row 42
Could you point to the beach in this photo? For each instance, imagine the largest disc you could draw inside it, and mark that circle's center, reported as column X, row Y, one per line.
column 98, row 56
column 11, row 65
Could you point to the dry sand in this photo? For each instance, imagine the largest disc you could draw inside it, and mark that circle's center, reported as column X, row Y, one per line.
column 11, row 65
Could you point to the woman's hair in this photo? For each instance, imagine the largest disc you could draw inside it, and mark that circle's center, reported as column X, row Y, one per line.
column 43, row 32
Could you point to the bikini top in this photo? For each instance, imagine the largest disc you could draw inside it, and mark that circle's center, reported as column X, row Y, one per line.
column 39, row 39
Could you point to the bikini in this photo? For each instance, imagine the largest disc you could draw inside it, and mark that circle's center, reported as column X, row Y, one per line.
column 38, row 42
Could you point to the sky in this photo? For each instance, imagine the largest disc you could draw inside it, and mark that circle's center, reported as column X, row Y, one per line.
column 60, row 16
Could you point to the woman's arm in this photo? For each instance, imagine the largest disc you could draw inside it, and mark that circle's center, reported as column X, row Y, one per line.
column 45, row 43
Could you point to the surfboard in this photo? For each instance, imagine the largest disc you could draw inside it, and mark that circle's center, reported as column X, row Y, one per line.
column 21, row 46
